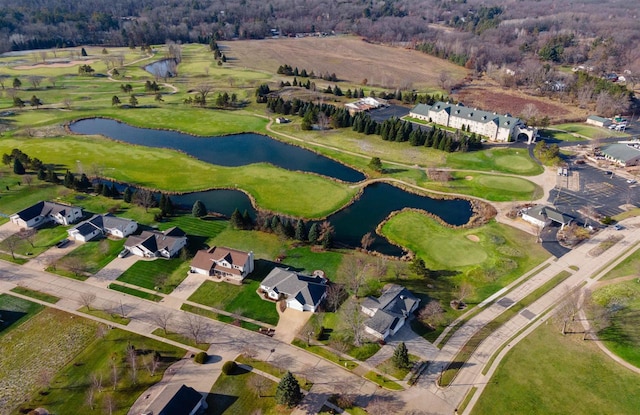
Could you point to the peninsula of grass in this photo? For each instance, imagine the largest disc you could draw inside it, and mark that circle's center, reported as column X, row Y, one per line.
column 38, row 295
column 325, row 353
column 111, row 316
column 243, row 300
column 232, row 394
column 495, row 188
column 220, row 317
column 621, row 336
column 180, row 338
column 550, row 373
column 162, row 275
column 456, row 252
column 472, row 344
column 504, row 160
column 138, row 293
column 70, row 386
column 383, row 381
column 271, row 187
column 272, row 370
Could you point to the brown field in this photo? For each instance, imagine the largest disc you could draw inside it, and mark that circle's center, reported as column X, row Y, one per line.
column 350, row 58
column 491, row 97
column 54, row 65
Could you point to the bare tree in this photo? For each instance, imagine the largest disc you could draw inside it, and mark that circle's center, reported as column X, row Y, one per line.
column 10, row 242
column 53, row 81
column 352, row 271
column 367, row 240
column 353, row 318
column 568, row 308
column 45, row 376
column 115, row 373
column 35, row 80
column 259, row 384
column 444, row 80
column 28, row 235
column 109, row 403
column 336, row 294
column 152, row 363
column 132, row 357
column 75, row 265
column 96, row 381
column 144, row 198
column 194, row 327
column 90, row 398
column 432, row 314
column 325, row 228
column 383, row 405
column 464, row 290
column 399, row 269
column 162, row 319
column 87, row 298
column 67, row 103
column 27, row 179
column 43, row 55
column 203, row 91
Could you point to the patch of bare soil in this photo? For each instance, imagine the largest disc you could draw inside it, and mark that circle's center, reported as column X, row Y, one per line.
column 349, row 57
column 67, row 64
column 492, row 97
column 473, row 238
column 468, row 178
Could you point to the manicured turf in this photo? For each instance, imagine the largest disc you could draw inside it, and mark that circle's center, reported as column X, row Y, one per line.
column 383, row 381
column 16, row 311
column 326, row 353
column 490, row 187
column 588, row 131
column 33, row 352
column 109, row 315
column 38, row 295
column 69, row 388
column 93, row 254
column 45, row 237
column 548, row 373
column 629, row 266
column 231, row 394
column 162, row 275
column 506, row 160
column 622, row 336
column 138, row 293
column 19, row 197
column 220, row 317
column 180, row 338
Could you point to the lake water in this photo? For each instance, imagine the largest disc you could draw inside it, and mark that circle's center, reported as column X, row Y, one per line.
column 377, row 201
column 162, row 68
column 231, row 151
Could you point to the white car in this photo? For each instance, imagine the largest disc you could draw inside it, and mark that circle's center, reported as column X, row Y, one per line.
column 631, row 181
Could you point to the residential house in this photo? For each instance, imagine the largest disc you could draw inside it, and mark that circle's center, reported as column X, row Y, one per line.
column 626, row 155
column 175, row 399
column 153, row 244
column 365, row 104
column 598, row 121
column 103, row 225
column 541, row 216
column 226, row 264
column 496, row 127
column 388, row 312
column 45, row 212
column 301, row 292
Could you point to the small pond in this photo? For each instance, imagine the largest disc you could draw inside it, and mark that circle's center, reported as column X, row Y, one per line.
column 164, row 68
column 231, row 151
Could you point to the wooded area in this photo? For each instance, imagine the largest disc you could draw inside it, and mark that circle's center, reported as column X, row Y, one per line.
column 474, row 33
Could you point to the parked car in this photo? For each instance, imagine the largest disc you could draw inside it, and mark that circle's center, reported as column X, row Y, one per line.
column 123, row 253
column 631, row 181
column 63, row 243
column 617, row 227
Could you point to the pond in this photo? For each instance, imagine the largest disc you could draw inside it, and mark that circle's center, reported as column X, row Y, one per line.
column 231, row 151
column 165, row 68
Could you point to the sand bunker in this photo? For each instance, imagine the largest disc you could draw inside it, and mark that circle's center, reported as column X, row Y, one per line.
column 468, row 178
column 66, row 64
column 473, row 238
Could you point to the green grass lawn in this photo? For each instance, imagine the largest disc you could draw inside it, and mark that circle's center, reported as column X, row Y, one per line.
column 505, row 160
column 548, row 373
column 487, row 186
column 38, row 295
column 629, row 266
column 387, row 367
column 45, row 237
column 622, row 336
column 27, row 363
column 383, row 381
column 106, row 315
column 232, row 394
column 94, row 255
column 20, row 197
column 162, row 275
column 326, row 353
column 16, row 311
column 177, row 337
column 588, row 131
column 68, row 390
column 138, row 293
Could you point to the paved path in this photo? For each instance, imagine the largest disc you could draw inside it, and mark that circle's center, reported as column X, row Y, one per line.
column 113, row 270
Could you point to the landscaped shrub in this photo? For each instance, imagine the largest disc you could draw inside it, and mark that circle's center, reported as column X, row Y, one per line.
column 229, row 367
column 201, row 358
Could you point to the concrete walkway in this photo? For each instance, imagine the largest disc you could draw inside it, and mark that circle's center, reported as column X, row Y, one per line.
column 189, row 286
column 113, row 270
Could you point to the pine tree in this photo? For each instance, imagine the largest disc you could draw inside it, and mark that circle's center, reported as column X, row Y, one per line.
column 83, row 183
column 42, row 175
column 236, row 220
column 168, row 207
column 163, row 203
column 113, row 192
column 301, row 231
column 68, row 179
column 288, row 391
column 246, row 219
column 106, row 191
column 400, row 357
column 18, row 168
column 127, row 195
column 199, row 209
column 313, row 233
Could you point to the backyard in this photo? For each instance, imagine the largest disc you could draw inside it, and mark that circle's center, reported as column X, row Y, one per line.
column 162, row 275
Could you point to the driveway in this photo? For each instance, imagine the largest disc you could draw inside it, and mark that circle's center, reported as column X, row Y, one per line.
column 51, row 255
column 290, row 323
column 113, row 270
column 189, row 285
column 8, row 229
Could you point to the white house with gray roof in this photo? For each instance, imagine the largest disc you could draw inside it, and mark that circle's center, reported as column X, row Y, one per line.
column 626, row 155
column 598, row 121
column 388, row 312
column 301, row 292
column 44, row 212
column 542, row 216
column 103, row 225
column 154, row 244
column 494, row 126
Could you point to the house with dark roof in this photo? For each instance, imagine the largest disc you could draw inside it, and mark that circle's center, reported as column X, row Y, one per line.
column 541, row 216
column 300, row 292
column 154, row 244
column 103, row 225
column 494, row 126
column 598, row 121
column 45, row 212
column 626, row 155
column 388, row 312
column 175, row 399
column 224, row 264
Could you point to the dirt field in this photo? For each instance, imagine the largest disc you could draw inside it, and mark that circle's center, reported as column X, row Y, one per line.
column 489, row 96
column 54, row 65
column 350, row 58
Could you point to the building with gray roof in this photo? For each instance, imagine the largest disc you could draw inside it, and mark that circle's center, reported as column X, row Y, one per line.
column 45, row 212
column 103, row 225
column 494, row 126
column 301, row 292
column 153, row 244
column 389, row 312
column 626, row 155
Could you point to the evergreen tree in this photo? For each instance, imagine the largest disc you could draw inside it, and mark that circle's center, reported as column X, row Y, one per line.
column 42, row 175
column 163, row 203
column 313, row 233
column 83, row 183
column 83, row 52
column 246, row 219
column 127, row 195
column 68, row 179
column 168, row 207
column 113, row 192
column 199, row 209
column 236, row 220
column 376, row 164
column 300, row 233
column 106, row 190
column 327, row 240
column 288, row 391
column 275, row 223
column 289, row 231
column 18, row 168
column 400, row 357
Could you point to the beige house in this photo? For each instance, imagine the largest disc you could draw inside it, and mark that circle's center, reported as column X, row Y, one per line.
column 224, row 264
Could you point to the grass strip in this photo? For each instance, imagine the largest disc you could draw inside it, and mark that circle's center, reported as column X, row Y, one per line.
column 105, row 315
column 16, row 260
column 220, row 317
column 466, row 400
column 472, row 344
column 132, row 291
column 605, row 266
column 382, row 380
column 177, row 337
column 38, row 295
column 272, row 370
column 326, row 354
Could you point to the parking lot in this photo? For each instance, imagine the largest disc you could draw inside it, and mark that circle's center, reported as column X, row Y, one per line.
column 587, row 186
column 382, row 114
